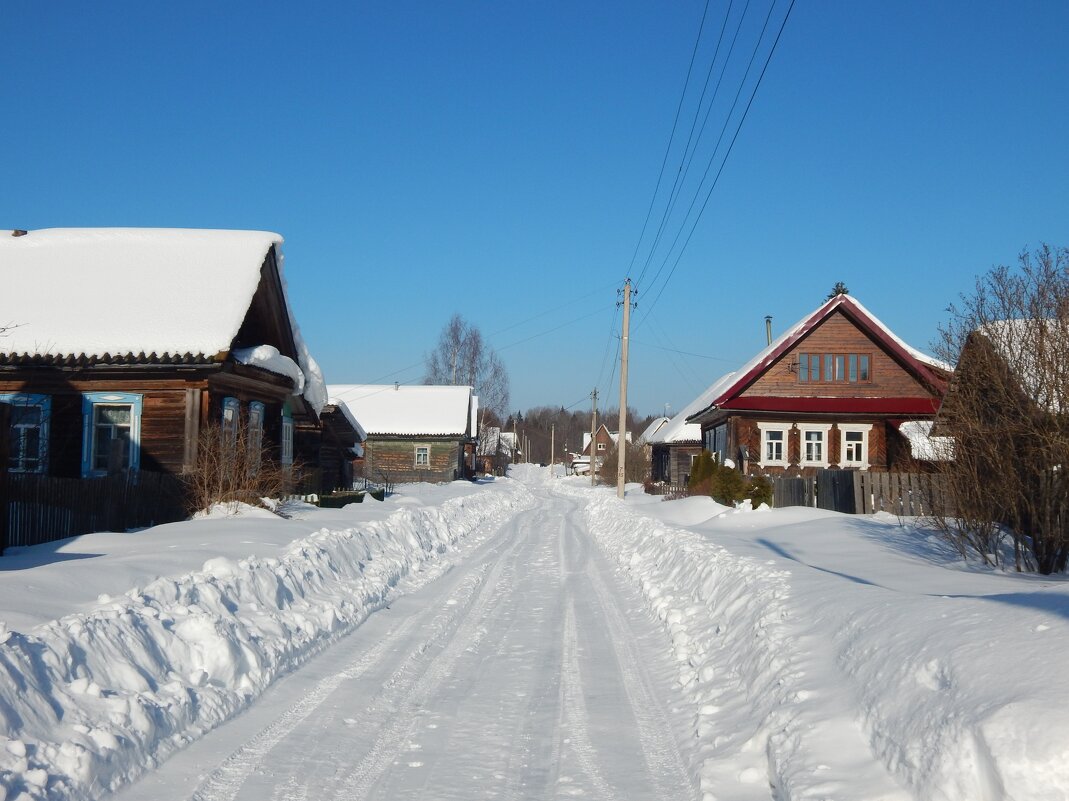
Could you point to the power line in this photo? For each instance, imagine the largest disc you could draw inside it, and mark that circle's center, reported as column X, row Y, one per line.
column 720, row 139
column 671, row 138
column 551, row 330
column 683, row 168
column 555, row 308
column 688, row 158
column 684, row 352
column 723, row 163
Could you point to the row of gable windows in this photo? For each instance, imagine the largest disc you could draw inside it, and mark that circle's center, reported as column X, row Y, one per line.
column 814, row 443
column 850, row 368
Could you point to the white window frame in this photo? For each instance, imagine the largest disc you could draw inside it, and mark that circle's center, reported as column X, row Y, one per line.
column 824, row 430
column 44, row 404
column 785, row 429
column 601, row 446
column 854, row 428
column 425, row 451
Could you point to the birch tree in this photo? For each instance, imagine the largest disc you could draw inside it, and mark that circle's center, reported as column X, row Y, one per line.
column 464, row 357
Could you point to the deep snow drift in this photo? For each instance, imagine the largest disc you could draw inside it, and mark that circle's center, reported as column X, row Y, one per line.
column 144, row 641
column 848, row 657
column 831, row 656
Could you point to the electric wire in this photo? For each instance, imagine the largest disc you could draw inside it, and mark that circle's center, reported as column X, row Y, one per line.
column 684, row 352
column 716, row 148
column 572, row 302
column 688, row 158
column 551, row 330
column 723, row 163
column 671, row 138
column 684, row 163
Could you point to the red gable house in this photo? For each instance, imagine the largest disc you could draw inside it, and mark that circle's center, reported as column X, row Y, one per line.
column 831, row 392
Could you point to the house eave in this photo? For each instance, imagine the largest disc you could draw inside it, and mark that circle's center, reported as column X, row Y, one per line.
column 880, row 406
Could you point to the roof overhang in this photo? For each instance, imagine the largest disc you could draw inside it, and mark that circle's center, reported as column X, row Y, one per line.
column 882, row 406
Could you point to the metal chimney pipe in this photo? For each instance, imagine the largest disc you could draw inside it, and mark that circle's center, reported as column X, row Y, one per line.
column 768, row 328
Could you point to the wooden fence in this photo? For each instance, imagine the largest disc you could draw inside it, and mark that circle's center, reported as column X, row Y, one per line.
column 671, row 492
column 36, row 509
column 855, row 492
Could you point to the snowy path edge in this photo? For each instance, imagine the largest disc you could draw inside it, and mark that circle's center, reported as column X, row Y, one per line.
column 91, row 701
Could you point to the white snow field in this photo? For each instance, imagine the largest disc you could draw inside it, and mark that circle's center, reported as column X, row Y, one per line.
column 529, row 638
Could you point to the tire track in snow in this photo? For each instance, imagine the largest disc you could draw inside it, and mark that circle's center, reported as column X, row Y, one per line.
column 654, row 730
column 573, row 705
column 549, row 691
column 226, row 781
column 407, row 695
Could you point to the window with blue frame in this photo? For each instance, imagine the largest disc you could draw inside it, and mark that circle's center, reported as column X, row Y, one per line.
column 231, row 413
column 286, row 444
column 256, row 433
column 111, row 433
column 27, row 431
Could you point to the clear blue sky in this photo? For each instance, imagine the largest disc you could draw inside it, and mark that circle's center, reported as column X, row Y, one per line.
column 497, row 159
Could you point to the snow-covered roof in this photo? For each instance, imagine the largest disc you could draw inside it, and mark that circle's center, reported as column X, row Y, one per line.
column 343, row 407
column 804, row 325
column 128, row 290
column 267, row 357
column 1030, row 348
column 407, row 410
column 614, row 436
column 651, row 429
column 922, row 445
column 494, row 441
column 98, row 292
column 766, row 356
column 678, row 429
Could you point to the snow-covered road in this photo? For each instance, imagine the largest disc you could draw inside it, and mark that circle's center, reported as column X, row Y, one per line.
column 530, row 638
column 530, row 670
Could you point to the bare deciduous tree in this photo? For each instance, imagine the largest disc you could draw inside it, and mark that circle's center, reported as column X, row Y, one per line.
column 233, row 467
column 1007, row 410
column 464, row 357
column 636, row 467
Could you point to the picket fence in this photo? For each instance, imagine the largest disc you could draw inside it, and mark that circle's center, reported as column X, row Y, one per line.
column 37, row 509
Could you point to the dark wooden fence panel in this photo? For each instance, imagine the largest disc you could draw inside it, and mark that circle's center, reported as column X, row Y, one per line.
column 835, row 490
column 43, row 509
column 670, row 492
column 905, row 494
column 855, row 492
column 5, row 422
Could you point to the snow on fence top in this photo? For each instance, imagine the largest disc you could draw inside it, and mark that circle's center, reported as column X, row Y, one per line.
column 97, row 291
column 407, row 410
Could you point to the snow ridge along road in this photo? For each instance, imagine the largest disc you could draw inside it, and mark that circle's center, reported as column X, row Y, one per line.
column 92, row 700
column 528, row 671
column 758, row 730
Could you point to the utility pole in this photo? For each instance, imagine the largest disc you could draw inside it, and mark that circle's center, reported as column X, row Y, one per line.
column 593, row 433
column 552, row 447
column 621, row 436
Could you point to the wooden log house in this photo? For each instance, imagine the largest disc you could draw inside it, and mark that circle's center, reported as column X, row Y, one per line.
column 832, row 392
column 414, row 433
column 128, row 341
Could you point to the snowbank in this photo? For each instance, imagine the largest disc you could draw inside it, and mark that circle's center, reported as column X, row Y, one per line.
column 93, row 699
column 849, row 657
